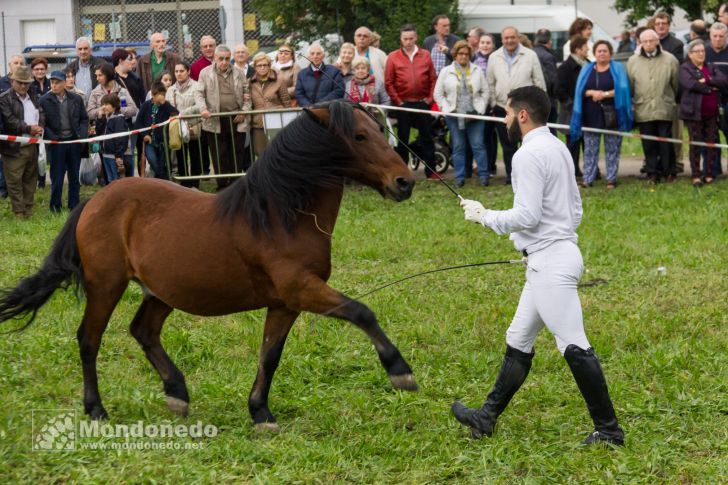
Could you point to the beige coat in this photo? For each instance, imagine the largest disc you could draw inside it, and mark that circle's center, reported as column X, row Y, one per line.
column 526, row 71
column 207, row 97
column 654, row 84
column 184, row 101
column 377, row 61
column 93, row 106
column 448, row 85
column 271, row 95
column 288, row 77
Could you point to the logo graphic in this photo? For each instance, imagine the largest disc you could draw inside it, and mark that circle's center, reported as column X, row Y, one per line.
column 54, row 430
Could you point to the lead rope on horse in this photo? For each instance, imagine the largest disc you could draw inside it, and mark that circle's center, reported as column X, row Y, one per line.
column 315, row 221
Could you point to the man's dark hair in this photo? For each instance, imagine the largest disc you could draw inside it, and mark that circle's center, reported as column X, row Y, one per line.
column 184, row 64
column 111, row 99
column 576, row 43
column 436, row 19
column 408, row 28
column 638, row 31
column 534, row 100
column 158, row 88
column 542, row 37
column 663, row 16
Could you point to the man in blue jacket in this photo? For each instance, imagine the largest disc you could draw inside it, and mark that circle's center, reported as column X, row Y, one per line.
column 318, row 82
column 65, row 119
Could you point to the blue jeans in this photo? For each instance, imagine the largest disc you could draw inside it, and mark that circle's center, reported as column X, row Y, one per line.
column 473, row 134
column 109, row 163
column 64, row 159
column 156, row 158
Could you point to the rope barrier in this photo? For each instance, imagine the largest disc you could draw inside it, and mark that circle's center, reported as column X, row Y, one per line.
column 552, row 125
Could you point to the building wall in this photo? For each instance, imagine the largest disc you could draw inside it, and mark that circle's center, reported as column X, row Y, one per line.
column 600, row 11
column 21, row 16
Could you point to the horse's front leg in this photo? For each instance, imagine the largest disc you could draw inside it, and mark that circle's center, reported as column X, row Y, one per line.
column 314, row 295
column 278, row 323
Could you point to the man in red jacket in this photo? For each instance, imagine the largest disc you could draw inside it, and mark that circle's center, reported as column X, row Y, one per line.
column 409, row 78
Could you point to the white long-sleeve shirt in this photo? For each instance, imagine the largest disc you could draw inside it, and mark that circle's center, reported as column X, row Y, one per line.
column 546, row 203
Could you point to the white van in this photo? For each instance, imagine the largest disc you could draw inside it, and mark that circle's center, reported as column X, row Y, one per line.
column 527, row 19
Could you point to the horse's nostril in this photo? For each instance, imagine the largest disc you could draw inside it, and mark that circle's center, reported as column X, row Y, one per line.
column 403, row 183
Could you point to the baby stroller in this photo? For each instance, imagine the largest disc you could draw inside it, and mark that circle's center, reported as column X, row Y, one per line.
column 443, row 152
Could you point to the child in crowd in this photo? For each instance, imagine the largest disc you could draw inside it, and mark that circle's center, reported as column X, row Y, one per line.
column 112, row 121
column 154, row 111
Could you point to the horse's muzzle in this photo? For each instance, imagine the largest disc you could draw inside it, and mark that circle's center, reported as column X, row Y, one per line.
column 401, row 189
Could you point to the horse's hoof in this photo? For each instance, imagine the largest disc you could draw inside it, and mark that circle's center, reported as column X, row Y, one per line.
column 266, row 427
column 98, row 413
column 404, row 381
column 178, row 406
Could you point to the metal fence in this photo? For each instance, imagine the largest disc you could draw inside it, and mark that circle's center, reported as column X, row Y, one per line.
column 183, row 22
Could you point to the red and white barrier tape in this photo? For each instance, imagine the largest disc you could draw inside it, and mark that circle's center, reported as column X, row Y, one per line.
column 31, row 140
column 553, row 125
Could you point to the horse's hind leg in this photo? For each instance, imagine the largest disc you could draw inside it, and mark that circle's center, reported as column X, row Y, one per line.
column 100, row 304
column 278, row 323
column 146, row 329
column 318, row 297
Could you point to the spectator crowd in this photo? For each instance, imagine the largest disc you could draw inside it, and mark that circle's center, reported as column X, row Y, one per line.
column 662, row 86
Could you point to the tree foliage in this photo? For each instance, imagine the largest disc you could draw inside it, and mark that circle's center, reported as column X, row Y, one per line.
column 640, row 9
column 313, row 20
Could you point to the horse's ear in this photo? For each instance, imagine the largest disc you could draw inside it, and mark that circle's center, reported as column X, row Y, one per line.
column 319, row 115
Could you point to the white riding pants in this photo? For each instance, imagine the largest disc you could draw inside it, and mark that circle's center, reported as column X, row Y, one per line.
column 550, row 298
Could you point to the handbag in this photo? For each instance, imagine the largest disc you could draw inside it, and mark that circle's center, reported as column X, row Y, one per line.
column 175, row 135
column 608, row 110
column 610, row 116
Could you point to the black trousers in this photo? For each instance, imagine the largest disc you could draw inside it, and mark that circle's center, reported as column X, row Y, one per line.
column 189, row 161
column 509, row 149
column 423, row 124
column 228, row 151
column 659, row 156
column 574, row 145
column 491, row 144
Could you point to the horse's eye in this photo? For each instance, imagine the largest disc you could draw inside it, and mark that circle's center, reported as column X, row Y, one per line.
column 360, row 137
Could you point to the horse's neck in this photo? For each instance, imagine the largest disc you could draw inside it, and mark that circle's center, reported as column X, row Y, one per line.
column 325, row 205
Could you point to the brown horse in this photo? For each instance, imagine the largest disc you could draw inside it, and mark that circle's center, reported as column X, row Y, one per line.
column 262, row 242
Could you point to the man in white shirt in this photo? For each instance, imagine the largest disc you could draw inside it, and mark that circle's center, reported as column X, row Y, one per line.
column 543, row 221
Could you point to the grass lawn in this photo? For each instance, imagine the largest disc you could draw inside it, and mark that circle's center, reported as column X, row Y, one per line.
column 661, row 337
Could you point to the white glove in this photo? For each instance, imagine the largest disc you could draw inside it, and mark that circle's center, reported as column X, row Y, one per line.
column 474, row 210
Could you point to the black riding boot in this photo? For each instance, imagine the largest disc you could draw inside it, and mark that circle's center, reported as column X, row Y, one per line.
column 589, row 377
column 513, row 372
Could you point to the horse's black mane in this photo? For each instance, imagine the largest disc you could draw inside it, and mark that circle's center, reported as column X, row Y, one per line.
column 304, row 156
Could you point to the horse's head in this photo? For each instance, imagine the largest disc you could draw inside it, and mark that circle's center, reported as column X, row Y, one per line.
column 373, row 161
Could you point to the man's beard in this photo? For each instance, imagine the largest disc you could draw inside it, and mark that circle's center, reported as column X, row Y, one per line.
column 514, row 133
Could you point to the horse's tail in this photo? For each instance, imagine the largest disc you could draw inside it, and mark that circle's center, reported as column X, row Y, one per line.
column 60, row 269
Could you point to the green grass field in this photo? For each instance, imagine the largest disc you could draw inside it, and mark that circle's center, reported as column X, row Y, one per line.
column 661, row 337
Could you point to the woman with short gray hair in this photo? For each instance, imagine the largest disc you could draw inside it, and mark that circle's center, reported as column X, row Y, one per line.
column 701, row 83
